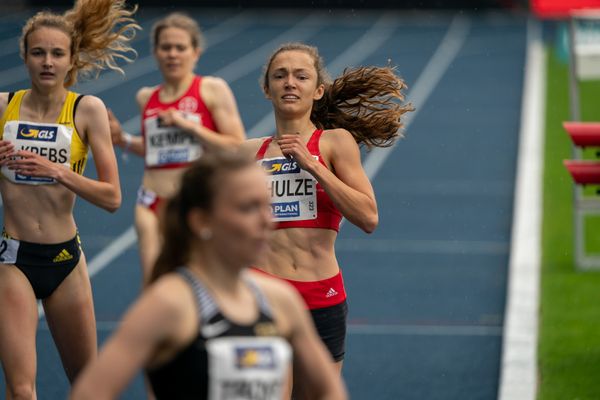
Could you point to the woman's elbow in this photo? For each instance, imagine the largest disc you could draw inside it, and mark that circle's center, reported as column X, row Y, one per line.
column 369, row 223
column 113, row 203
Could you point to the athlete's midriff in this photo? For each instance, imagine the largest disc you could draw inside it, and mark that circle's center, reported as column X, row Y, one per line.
column 38, row 214
column 301, row 254
column 163, row 182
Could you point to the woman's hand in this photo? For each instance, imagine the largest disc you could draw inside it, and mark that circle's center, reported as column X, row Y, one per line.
column 292, row 146
column 31, row 164
column 172, row 117
column 116, row 131
column 7, row 150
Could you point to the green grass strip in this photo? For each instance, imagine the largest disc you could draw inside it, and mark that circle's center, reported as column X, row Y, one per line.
column 569, row 337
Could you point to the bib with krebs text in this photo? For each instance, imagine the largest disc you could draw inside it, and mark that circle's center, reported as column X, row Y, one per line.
column 169, row 144
column 293, row 190
column 247, row 368
column 51, row 141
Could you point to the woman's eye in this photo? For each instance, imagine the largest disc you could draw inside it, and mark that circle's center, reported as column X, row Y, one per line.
column 250, row 206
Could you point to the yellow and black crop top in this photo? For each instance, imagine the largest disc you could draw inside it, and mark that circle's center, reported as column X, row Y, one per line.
column 59, row 142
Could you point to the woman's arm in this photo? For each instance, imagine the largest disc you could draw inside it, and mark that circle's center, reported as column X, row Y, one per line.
column 348, row 186
column 125, row 140
column 6, row 148
column 220, row 102
column 105, row 192
column 250, row 147
column 151, row 322
column 3, row 102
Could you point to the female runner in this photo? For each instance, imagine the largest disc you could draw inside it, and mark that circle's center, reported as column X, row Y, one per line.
column 203, row 108
column 45, row 134
column 315, row 172
column 207, row 327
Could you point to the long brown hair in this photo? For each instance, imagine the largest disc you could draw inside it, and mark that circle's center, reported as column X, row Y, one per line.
column 366, row 101
column 198, row 189
column 99, row 31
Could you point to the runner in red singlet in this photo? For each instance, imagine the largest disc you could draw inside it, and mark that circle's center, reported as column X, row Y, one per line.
column 315, row 172
column 181, row 118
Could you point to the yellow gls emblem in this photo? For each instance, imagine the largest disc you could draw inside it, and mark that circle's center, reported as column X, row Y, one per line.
column 274, row 168
column 30, row 133
column 249, row 359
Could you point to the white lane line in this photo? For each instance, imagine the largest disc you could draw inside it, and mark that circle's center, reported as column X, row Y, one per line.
column 430, row 77
column 118, row 246
column 366, row 45
column 435, row 69
column 464, row 247
column 374, row 329
column 518, row 373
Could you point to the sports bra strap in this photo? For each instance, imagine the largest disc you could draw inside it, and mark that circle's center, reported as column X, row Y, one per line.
column 261, row 299
column 10, row 96
column 313, row 143
column 260, row 154
column 207, row 308
column 77, row 100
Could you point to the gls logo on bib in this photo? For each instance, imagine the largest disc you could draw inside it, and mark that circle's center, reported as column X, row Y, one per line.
column 277, row 166
column 37, row 132
column 261, row 357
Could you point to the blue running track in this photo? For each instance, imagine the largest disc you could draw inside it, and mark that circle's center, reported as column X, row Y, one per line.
column 427, row 289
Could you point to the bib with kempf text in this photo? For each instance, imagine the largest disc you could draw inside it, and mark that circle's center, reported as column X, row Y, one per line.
column 247, row 368
column 51, row 141
column 169, row 144
column 293, row 190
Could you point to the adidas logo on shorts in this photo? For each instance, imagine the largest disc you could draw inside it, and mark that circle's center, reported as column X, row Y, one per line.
column 62, row 256
column 331, row 293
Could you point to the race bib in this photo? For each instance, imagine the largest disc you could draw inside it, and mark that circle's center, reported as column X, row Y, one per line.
column 170, row 145
column 247, row 368
column 8, row 250
column 293, row 190
column 51, row 141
